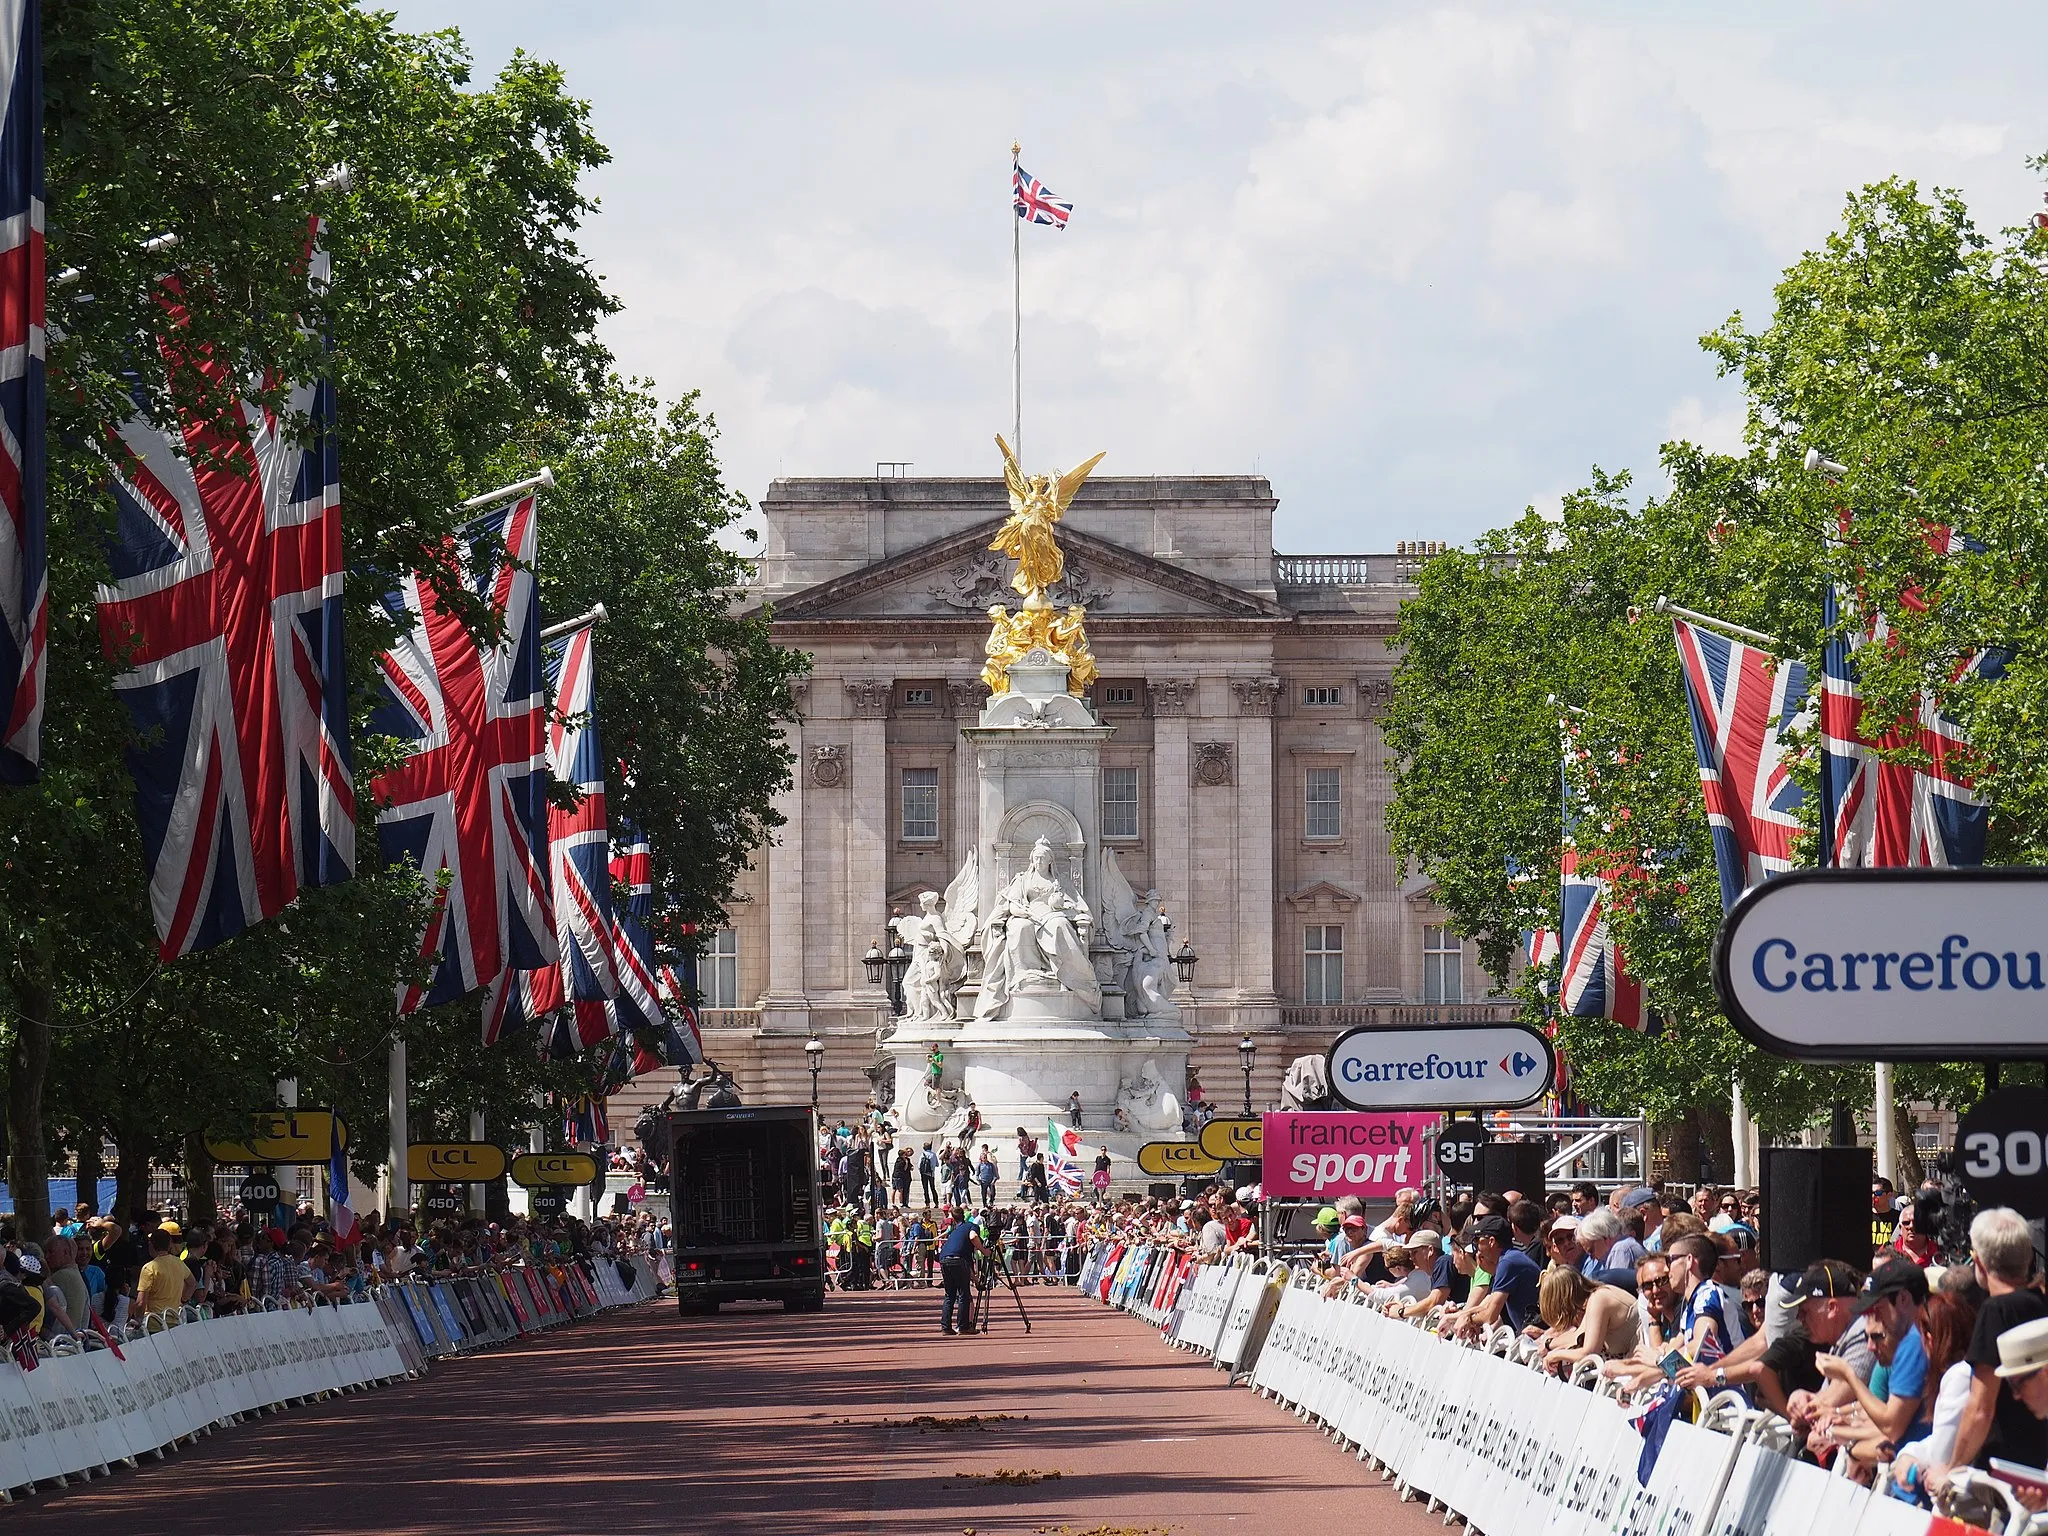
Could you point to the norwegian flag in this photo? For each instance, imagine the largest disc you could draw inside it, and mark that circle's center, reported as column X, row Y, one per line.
column 470, row 805
column 1886, row 814
column 1741, row 698
column 226, row 604
column 24, row 585
column 587, row 975
column 1034, row 201
column 1595, row 983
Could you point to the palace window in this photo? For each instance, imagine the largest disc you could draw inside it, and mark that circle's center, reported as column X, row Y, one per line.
column 1323, row 808
column 1322, row 696
column 1322, row 964
column 718, row 970
column 919, row 696
column 920, row 805
column 1119, row 802
column 1443, row 965
column 1127, row 694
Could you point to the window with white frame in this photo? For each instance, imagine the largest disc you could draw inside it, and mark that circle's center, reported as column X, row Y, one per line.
column 1126, row 693
column 718, row 970
column 1443, row 965
column 1119, row 802
column 919, row 696
column 1322, row 964
column 1322, row 695
column 920, row 805
column 1323, row 804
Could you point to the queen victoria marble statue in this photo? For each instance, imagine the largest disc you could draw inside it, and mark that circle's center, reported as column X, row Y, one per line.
column 1036, row 940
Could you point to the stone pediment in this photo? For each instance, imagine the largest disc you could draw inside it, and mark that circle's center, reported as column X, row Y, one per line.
column 959, row 576
column 1323, row 896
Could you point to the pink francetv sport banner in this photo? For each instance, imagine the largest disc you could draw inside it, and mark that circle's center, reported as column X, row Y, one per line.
column 1323, row 1154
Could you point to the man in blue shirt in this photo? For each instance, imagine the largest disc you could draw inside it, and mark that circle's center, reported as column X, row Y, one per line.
column 957, row 1250
column 1895, row 1398
column 1511, row 1295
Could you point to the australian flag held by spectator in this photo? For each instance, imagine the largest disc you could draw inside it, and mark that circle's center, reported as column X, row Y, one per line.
column 24, row 590
column 1740, row 698
column 226, row 605
column 471, row 802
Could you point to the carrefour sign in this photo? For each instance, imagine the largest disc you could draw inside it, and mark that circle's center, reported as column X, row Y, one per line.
column 1450, row 1066
column 1945, row 964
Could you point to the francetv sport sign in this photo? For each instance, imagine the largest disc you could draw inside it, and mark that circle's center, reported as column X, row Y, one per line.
column 1892, row 964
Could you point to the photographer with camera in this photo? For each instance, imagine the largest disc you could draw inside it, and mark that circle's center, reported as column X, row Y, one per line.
column 958, row 1250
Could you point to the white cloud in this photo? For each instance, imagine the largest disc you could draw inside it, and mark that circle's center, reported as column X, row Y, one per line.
column 1422, row 267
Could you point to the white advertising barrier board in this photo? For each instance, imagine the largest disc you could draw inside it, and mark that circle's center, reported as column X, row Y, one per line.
column 1251, row 1308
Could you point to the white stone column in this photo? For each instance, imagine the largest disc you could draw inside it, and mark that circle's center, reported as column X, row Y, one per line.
column 786, row 883
column 967, row 696
column 1883, row 1123
column 397, row 1183
column 1741, row 1130
column 1255, row 796
column 1172, row 833
column 870, row 816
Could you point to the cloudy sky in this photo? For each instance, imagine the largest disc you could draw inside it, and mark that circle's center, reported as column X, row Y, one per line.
column 1419, row 266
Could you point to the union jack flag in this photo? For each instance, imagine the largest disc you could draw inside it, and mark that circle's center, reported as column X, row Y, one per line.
column 1595, row 983
column 679, row 986
column 1889, row 814
column 581, row 880
column 1034, row 201
column 1539, row 945
column 226, row 604
column 637, row 1010
column 470, row 805
column 24, row 586
column 1741, row 698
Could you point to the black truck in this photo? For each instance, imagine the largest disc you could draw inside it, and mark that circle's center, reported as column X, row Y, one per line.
column 743, row 1191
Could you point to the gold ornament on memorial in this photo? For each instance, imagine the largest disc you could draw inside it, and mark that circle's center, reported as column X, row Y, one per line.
column 1037, row 502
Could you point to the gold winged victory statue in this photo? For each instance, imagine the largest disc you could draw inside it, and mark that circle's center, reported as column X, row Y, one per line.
column 1037, row 502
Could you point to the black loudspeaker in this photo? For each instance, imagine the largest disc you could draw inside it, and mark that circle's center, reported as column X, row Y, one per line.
column 1516, row 1165
column 1816, row 1206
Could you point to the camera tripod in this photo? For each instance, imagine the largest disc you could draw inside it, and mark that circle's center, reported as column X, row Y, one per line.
column 994, row 1266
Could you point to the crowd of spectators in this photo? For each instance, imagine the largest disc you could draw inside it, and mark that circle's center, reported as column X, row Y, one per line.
column 93, row 1273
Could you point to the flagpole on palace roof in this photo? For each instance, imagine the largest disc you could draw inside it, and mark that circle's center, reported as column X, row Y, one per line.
column 1016, row 311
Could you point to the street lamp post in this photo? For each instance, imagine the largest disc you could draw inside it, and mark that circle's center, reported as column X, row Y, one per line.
column 814, row 1054
column 898, row 960
column 1247, row 1053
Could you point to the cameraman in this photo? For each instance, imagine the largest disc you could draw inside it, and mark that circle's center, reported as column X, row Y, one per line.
column 958, row 1250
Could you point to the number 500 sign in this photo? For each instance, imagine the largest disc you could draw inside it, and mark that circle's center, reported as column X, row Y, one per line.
column 2000, row 1150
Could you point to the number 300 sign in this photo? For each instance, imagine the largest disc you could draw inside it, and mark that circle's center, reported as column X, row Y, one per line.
column 2000, row 1150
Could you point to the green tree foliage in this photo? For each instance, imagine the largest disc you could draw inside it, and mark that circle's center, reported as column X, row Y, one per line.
column 462, row 313
column 1910, row 350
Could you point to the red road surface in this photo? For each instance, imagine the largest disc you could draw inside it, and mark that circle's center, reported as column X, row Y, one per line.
column 763, row 1423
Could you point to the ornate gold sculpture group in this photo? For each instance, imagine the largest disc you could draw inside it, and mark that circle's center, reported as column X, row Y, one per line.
column 1036, row 503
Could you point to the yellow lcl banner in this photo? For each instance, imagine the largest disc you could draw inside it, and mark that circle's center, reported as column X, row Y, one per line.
column 1172, row 1159
column 283, row 1136
column 1233, row 1141
column 541, row 1170
column 454, row 1162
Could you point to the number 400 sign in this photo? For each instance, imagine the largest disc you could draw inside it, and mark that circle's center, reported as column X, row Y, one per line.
column 2002, row 1150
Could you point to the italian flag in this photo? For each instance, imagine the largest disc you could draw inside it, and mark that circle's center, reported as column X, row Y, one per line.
column 1063, row 1157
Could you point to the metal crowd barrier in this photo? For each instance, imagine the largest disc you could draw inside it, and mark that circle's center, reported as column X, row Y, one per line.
column 90, row 1404
column 1511, row 1450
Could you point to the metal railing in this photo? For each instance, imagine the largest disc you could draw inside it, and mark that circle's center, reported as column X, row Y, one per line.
column 1321, row 571
column 1354, row 1015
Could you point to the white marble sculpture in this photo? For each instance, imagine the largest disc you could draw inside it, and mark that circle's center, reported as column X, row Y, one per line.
column 927, row 1109
column 1148, row 1104
column 1036, row 940
column 1149, row 990
column 937, row 938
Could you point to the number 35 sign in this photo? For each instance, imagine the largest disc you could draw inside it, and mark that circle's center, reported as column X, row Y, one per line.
column 2000, row 1150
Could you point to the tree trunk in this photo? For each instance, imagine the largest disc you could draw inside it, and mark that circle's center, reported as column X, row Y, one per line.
column 1682, row 1148
column 1717, row 1132
column 89, row 1167
column 131, row 1176
column 199, row 1201
column 1911, row 1171
column 28, row 1157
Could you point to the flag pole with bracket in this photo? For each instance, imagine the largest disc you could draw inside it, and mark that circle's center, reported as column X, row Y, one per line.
column 1016, row 307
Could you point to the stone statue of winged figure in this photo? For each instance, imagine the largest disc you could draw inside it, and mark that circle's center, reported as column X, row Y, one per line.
column 1036, row 503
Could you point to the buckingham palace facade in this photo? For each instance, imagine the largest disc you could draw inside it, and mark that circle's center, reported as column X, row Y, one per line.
column 1247, row 780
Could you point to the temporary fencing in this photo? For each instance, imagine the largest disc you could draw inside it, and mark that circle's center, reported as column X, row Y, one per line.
column 90, row 1404
column 1511, row 1450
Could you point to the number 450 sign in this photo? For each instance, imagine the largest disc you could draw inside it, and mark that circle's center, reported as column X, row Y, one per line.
column 2000, row 1151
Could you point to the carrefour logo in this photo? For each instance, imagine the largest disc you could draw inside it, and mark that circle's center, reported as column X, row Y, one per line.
column 1467, row 1066
column 1779, row 965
